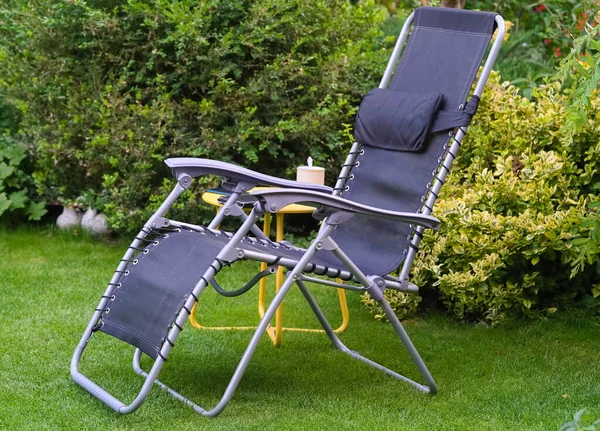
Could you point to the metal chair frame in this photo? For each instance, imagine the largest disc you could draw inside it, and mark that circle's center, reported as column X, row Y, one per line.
column 374, row 285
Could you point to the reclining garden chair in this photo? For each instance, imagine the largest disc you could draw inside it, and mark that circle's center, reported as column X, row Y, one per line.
column 408, row 132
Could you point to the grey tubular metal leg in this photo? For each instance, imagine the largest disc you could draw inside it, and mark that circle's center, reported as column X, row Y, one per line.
column 258, row 333
column 431, row 386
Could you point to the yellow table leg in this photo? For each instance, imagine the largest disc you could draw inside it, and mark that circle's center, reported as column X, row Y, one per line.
column 278, row 283
column 276, row 333
column 194, row 319
column 262, row 286
column 194, row 322
column 344, row 308
column 277, row 336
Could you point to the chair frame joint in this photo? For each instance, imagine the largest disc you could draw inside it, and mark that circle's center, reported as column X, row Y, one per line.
column 184, row 180
column 161, row 222
column 376, row 288
column 328, row 244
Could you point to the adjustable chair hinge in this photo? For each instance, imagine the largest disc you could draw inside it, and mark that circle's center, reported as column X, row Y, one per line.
column 184, row 180
column 376, row 288
column 339, row 217
column 161, row 222
column 233, row 210
column 232, row 255
column 236, row 186
column 327, row 244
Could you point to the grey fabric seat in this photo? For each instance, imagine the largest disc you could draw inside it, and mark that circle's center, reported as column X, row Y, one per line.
column 154, row 286
column 408, row 132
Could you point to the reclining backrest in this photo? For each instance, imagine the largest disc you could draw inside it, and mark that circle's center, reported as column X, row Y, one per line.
column 442, row 55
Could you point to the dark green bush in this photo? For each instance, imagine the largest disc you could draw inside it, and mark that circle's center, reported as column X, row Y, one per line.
column 18, row 198
column 16, row 186
column 109, row 89
column 106, row 90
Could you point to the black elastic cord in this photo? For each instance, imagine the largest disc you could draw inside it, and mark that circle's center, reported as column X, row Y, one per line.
column 168, row 229
column 251, row 283
column 223, row 262
column 144, row 239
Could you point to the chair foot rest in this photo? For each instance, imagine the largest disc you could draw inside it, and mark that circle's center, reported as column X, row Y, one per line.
column 98, row 392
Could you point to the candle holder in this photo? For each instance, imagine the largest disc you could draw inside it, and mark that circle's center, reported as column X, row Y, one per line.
column 310, row 174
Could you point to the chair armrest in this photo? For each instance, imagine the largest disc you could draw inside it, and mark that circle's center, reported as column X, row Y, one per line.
column 275, row 199
column 196, row 167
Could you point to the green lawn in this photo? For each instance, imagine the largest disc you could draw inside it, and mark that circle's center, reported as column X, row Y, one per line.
column 522, row 376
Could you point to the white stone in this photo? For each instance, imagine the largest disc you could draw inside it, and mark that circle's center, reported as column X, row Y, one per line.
column 86, row 220
column 69, row 218
column 94, row 222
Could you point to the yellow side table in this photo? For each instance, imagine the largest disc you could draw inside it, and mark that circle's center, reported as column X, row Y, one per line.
column 276, row 333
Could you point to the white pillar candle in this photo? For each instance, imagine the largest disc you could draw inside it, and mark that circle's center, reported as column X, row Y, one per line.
column 310, row 174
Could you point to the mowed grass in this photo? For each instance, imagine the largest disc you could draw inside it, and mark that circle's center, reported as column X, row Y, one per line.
column 522, row 376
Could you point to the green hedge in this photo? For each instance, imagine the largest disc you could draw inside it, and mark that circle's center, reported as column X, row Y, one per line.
column 106, row 90
column 109, row 89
